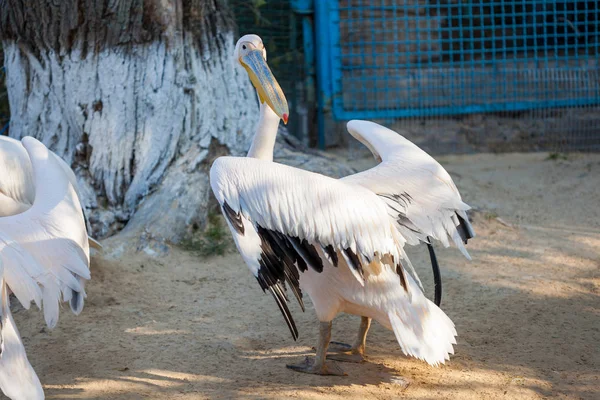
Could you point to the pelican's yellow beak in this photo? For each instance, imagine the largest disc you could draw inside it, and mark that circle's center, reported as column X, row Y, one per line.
column 265, row 83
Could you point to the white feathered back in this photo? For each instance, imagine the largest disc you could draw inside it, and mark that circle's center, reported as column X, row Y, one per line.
column 306, row 205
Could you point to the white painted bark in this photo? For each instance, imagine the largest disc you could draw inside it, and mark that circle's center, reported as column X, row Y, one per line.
column 137, row 125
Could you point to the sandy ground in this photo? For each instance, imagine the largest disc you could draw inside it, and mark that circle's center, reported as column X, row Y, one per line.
column 527, row 310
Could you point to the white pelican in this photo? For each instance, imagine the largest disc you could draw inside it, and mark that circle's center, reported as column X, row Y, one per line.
column 17, row 190
column 44, row 257
column 341, row 241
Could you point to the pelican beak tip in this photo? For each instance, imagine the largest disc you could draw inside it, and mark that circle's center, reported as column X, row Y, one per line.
column 285, row 118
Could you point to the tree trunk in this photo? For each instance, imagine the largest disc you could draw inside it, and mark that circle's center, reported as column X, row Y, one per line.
column 137, row 96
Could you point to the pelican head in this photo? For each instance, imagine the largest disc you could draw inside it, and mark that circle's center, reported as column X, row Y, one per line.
column 251, row 54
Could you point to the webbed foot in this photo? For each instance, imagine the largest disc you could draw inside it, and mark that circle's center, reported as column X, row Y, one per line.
column 345, row 353
column 308, row 366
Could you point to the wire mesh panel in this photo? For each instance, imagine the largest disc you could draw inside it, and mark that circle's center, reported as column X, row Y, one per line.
column 418, row 58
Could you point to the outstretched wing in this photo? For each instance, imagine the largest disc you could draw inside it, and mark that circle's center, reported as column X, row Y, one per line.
column 17, row 191
column 44, row 250
column 284, row 220
column 419, row 193
column 15, row 196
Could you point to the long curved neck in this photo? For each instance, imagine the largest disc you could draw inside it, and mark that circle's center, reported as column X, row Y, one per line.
column 266, row 132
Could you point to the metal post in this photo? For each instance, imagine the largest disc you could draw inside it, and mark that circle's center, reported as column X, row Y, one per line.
column 323, row 70
column 306, row 9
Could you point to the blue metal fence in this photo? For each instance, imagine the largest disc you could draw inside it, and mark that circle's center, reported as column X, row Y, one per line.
column 388, row 59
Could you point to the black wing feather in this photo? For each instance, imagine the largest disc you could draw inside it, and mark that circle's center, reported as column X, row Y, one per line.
column 308, row 252
column 281, row 260
column 332, row 254
column 235, row 218
column 281, row 300
column 354, row 262
column 437, row 277
column 464, row 229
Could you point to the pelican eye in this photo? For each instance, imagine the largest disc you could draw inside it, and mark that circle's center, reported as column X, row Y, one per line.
column 244, row 47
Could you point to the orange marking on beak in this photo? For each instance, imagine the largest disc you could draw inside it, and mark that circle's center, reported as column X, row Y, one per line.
column 285, row 118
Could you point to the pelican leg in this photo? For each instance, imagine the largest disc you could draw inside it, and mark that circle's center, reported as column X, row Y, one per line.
column 318, row 365
column 355, row 353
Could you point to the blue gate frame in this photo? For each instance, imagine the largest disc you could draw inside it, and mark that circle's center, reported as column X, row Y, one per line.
column 575, row 66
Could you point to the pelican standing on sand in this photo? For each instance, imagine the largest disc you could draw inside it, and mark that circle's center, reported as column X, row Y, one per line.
column 341, row 241
column 44, row 258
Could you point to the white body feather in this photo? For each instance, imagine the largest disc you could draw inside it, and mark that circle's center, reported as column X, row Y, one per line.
column 421, row 328
column 18, row 380
column 44, row 257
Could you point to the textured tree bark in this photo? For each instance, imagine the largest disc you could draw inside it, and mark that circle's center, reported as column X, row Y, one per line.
column 137, row 95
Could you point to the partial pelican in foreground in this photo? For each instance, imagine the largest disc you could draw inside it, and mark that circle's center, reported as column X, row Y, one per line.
column 341, row 241
column 17, row 190
column 44, row 258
